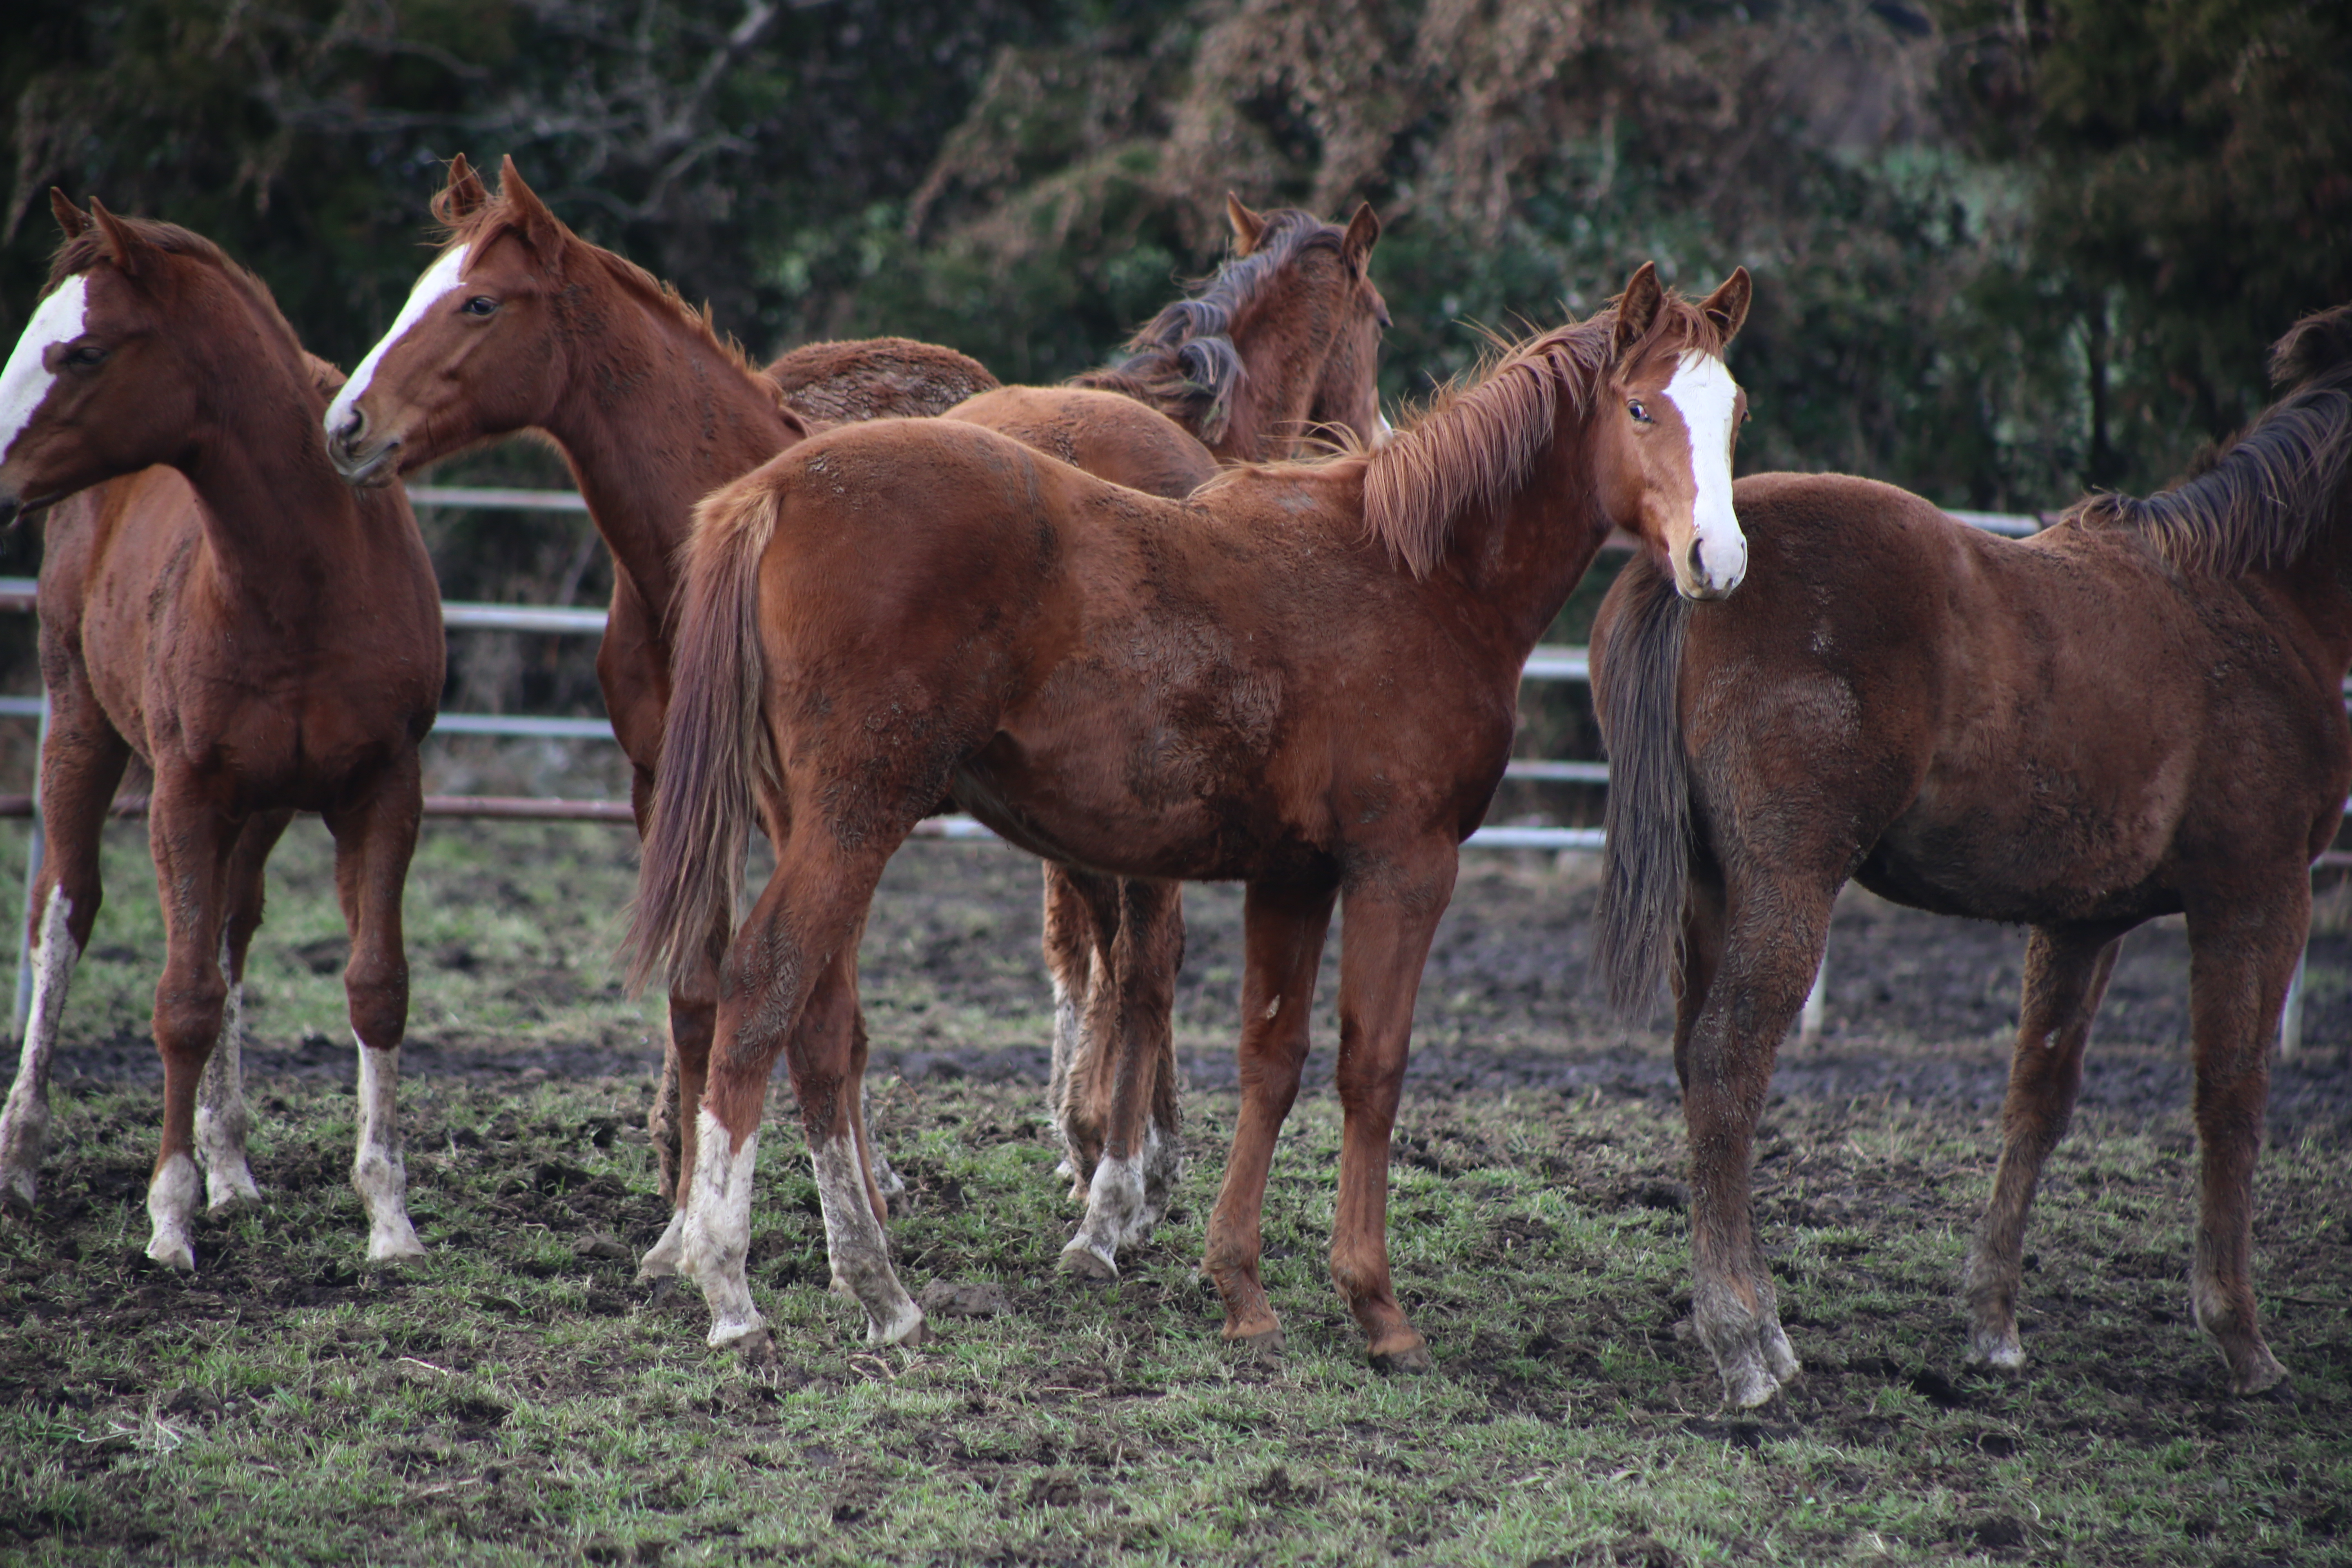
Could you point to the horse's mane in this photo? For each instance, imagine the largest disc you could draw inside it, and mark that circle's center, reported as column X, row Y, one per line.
column 2268, row 497
column 493, row 218
column 1477, row 437
column 87, row 250
column 1182, row 361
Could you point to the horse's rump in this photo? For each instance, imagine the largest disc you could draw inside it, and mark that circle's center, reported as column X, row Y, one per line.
column 878, row 378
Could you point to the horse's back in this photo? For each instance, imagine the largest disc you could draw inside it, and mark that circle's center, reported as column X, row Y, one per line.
column 878, row 378
column 1109, row 435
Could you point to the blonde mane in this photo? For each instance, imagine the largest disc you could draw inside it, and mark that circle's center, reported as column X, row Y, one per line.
column 1476, row 440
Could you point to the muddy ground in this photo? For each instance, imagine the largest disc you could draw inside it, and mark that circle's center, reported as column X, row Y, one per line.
column 1920, row 1007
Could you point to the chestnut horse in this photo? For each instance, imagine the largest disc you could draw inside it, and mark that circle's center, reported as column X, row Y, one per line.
column 2136, row 713
column 264, row 638
column 1283, row 342
column 1304, row 679
column 650, row 408
column 509, row 349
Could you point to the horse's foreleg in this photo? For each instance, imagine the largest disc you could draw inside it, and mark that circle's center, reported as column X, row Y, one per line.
column 2066, row 974
column 1081, row 931
column 192, row 847
column 2241, row 958
column 81, row 762
column 1772, row 947
column 373, row 844
column 1143, row 1149
column 222, row 1118
column 1283, row 931
column 1381, row 957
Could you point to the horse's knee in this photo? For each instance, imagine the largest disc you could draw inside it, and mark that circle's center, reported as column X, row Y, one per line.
column 188, row 1010
column 376, row 992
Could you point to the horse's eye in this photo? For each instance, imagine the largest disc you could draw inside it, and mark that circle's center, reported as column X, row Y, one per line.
column 479, row 305
column 1641, row 414
column 85, row 357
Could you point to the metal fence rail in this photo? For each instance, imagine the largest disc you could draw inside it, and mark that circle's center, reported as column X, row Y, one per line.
column 1546, row 662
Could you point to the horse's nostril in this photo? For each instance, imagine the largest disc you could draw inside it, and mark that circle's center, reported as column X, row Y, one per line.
column 1690, row 558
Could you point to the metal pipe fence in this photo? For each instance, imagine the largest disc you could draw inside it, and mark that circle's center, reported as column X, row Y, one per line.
column 1556, row 662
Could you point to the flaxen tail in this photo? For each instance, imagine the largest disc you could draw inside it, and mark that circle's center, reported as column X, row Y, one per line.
column 716, row 751
column 1645, row 863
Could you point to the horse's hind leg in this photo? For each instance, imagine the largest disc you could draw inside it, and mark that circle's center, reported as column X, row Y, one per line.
column 2241, row 958
column 2066, row 974
column 1143, row 1151
column 1772, row 946
column 373, row 843
column 1081, row 927
column 193, row 848
column 81, row 765
column 222, row 1119
column 789, row 984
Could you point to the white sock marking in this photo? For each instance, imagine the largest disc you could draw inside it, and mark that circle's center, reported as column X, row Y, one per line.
column 25, row 1123
column 442, row 278
column 26, row 382
column 855, row 1245
column 717, row 1233
column 171, row 1203
column 222, row 1119
column 378, row 1172
column 1703, row 391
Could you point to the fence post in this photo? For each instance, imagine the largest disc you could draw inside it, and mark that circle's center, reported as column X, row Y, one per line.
column 2291, row 1015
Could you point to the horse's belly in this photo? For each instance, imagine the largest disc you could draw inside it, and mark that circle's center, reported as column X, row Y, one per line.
column 1996, row 867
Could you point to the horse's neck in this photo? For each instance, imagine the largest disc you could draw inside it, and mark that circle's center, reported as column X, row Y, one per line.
column 1269, row 407
column 282, row 529
column 1521, row 557
column 655, row 417
column 2319, row 589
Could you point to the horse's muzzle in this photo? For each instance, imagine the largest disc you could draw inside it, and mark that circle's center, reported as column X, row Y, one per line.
column 359, row 461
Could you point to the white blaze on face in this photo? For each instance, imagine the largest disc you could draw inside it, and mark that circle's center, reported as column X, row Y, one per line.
column 1382, row 434
column 440, row 280
column 28, row 378
column 1703, row 392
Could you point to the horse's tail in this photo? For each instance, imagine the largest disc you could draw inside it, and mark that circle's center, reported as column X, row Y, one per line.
column 1645, row 862
column 716, row 749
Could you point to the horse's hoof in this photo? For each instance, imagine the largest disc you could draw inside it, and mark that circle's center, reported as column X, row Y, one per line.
column 398, row 1248
column 1996, row 1353
column 1748, row 1386
column 172, row 1254
column 2263, row 1375
column 17, row 1199
column 1085, row 1262
column 917, row 1337
column 756, row 1349
column 1264, row 1343
column 1411, row 1360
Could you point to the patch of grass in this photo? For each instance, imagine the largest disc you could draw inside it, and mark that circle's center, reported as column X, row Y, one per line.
column 513, row 1399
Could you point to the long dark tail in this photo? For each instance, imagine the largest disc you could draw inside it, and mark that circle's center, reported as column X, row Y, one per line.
column 716, row 750
column 1645, row 866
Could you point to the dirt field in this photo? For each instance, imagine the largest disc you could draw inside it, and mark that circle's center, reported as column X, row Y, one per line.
column 518, row 1397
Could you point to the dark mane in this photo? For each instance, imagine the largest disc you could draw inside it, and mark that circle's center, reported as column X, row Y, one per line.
column 1474, row 442
column 1182, row 361
column 495, row 218
column 2276, row 491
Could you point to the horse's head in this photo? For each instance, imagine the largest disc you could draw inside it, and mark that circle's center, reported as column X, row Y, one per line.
column 477, row 351
column 109, row 375
column 1664, row 418
column 1305, row 322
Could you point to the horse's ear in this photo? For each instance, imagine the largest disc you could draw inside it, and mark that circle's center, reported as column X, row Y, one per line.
column 463, row 196
column 1249, row 227
column 529, row 212
column 70, row 218
column 1728, row 306
column 122, row 245
column 1637, row 308
column 1364, row 230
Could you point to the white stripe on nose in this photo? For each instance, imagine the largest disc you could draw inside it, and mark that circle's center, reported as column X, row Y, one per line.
column 1703, row 392
column 27, row 380
column 442, row 278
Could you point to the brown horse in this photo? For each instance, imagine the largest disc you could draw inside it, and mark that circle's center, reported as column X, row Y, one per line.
column 1282, row 344
column 1305, row 678
column 509, row 349
column 2139, row 712
column 265, row 640
column 520, row 324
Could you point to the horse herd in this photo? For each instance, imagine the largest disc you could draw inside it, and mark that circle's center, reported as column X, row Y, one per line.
column 1135, row 628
